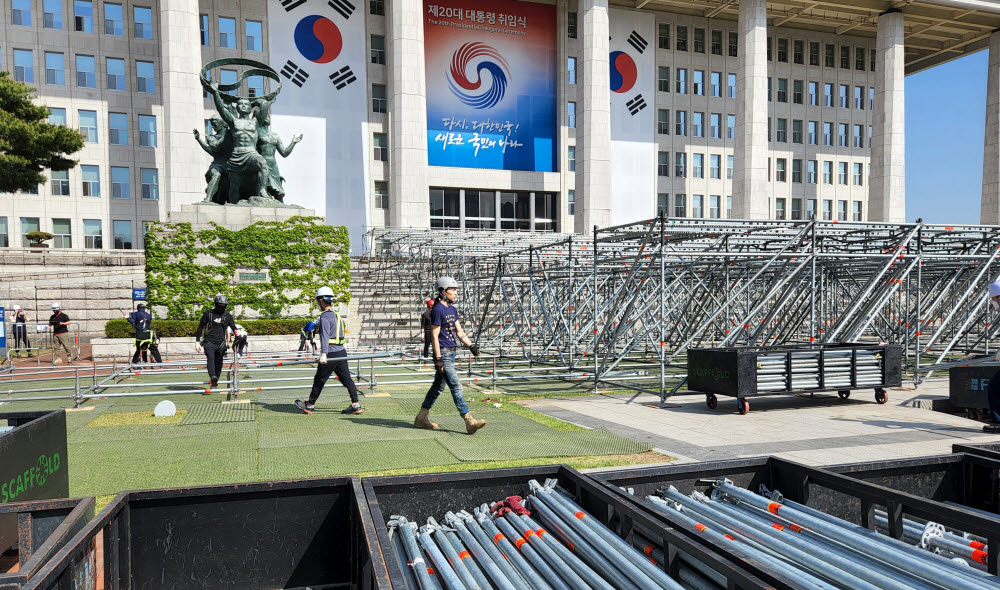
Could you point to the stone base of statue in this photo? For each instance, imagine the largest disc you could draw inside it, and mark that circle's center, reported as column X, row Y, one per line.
column 236, row 217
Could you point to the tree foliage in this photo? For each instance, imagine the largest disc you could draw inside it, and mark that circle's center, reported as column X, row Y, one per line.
column 29, row 144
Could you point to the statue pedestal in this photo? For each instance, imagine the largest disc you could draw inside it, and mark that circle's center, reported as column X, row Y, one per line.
column 232, row 217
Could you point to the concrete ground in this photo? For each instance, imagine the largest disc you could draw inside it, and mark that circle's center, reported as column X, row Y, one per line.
column 822, row 430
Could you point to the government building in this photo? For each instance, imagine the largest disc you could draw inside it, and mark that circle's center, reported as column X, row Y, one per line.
column 509, row 115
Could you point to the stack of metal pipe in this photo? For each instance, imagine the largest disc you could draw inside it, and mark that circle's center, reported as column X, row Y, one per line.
column 772, row 370
column 559, row 546
column 822, row 551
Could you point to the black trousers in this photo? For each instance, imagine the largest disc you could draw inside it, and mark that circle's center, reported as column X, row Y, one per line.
column 21, row 336
column 216, row 356
column 302, row 343
column 142, row 348
column 240, row 345
column 343, row 372
column 428, row 342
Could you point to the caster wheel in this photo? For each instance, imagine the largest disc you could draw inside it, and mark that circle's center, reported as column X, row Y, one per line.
column 744, row 406
column 711, row 401
column 880, row 396
column 844, row 394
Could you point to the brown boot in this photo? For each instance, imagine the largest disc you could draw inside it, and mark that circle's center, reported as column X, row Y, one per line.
column 423, row 420
column 471, row 424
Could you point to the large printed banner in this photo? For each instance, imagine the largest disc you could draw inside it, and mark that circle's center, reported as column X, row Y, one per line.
column 633, row 132
column 319, row 48
column 491, row 84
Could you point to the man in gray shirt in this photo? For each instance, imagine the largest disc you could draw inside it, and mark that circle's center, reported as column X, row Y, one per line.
column 333, row 337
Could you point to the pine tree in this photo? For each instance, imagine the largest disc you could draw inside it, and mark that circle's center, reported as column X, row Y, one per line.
column 29, row 144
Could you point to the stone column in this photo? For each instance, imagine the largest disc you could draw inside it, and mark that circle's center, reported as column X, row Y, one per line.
column 182, row 180
column 887, row 185
column 751, row 190
column 409, row 199
column 593, row 130
column 990, row 206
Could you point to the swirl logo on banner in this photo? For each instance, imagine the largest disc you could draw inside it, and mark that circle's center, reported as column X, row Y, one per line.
column 469, row 91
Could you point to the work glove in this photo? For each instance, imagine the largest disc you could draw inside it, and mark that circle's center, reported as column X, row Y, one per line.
column 439, row 365
column 197, row 346
column 322, row 359
column 474, row 349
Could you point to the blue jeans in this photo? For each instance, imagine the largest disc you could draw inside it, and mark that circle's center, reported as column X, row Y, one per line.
column 449, row 376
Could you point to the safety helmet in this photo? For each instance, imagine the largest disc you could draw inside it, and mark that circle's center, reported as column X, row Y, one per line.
column 994, row 288
column 55, row 306
column 221, row 299
column 141, row 306
column 446, row 283
column 430, row 303
column 17, row 308
column 324, row 293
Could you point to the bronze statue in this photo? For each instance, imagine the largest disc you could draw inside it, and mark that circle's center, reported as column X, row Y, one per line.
column 242, row 144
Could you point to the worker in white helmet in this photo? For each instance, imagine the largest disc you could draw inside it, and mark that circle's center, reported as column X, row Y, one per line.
column 333, row 338
column 446, row 333
column 60, row 333
column 21, row 332
column 993, row 392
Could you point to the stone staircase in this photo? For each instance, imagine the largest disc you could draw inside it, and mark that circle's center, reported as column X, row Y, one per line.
column 383, row 311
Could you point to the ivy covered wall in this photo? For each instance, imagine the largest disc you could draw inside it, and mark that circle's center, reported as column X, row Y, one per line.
column 185, row 268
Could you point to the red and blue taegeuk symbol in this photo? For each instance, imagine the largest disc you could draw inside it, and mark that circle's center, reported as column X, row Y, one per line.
column 318, row 39
column 623, row 72
column 472, row 92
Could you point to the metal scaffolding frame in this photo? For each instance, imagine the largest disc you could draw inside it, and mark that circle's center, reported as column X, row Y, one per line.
column 641, row 294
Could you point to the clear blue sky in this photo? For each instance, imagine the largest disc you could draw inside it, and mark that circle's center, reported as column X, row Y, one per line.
column 945, row 119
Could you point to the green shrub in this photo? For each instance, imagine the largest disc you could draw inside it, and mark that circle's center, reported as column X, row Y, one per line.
column 120, row 328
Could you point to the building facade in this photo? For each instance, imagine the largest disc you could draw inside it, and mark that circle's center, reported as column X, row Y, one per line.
column 748, row 109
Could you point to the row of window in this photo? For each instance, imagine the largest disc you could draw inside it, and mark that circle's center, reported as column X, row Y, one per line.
column 697, row 169
column 253, row 33
column 83, row 17
column 799, row 131
column 121, row 182
column 86, row 71
column 490, row 209
column 118, row 133
column 698, row 210
column 62, row 229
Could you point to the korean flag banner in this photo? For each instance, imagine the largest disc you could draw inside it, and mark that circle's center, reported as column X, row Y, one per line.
column 319, row 50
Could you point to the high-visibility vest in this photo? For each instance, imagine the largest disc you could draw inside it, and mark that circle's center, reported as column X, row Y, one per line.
column 340, row 335
column 148, row 340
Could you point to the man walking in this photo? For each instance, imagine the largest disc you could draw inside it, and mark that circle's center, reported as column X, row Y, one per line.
column 447, row 333
column 60, row 333
column 426, row 328
column 211, row 335
column 333, row 337
column 21, row 332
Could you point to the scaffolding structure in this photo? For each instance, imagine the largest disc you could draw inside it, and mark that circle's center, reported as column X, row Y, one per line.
column 630, row 300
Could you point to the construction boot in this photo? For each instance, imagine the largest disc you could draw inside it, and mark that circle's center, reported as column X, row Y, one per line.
column 471, row 424
column 423, row 420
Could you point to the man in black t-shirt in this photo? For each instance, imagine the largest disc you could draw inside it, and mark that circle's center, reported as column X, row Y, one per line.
column 211, row 335
column 59, row 322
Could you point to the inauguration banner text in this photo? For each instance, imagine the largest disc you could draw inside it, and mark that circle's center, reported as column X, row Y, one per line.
column 491, row 84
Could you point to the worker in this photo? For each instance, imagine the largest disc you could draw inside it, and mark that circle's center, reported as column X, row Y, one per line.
column 308, row 334
column 21, row 332
column 447, row 333
column 239, row 338
column 993, row 391
column 147, row 341
column 333, row 338
column 142, row 321
column 60, row 333
column 426, row 329
column 212, row 336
